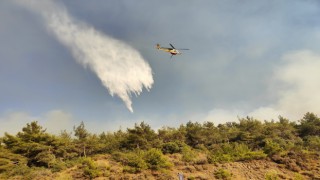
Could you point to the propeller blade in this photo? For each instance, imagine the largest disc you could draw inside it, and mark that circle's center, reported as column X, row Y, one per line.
column 172, row 46
column 183, row 49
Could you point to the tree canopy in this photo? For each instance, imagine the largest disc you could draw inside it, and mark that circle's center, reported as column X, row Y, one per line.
column 141, row 147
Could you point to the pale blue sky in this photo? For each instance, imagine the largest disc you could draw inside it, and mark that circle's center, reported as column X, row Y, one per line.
column 239, row 51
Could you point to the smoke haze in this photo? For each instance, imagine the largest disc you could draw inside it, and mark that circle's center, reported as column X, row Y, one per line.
column 121, row 69
column 296, row 85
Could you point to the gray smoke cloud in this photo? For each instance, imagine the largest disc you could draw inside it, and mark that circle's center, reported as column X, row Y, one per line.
column 296, row 85
column 121, row 68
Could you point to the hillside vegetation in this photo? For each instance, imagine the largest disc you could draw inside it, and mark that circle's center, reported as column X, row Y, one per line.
column 248, row 149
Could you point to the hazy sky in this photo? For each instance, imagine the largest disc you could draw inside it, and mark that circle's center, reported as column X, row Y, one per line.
column 60, row 61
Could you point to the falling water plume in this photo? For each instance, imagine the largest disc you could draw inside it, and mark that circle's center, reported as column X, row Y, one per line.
column 121, row 68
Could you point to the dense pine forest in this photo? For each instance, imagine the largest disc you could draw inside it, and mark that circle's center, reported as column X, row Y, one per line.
column 143, row 153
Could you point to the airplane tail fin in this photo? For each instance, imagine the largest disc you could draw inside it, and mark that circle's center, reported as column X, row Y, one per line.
column 158, row 46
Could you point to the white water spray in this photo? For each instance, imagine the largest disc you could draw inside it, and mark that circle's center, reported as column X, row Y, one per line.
column 121, row 69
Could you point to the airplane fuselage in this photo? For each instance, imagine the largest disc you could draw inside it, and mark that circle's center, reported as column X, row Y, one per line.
column 170, row 50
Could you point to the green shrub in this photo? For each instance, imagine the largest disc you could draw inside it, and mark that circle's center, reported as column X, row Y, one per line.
column 90, row 168
column 222, row 174
column 19, row 170
column 58, row 166
column 119, row 157
column 298, row 176
column 46, row 159
column 12, row 164
column 156, row 160
column 91, row 173
column 38, row 173
column 271, row 175
column 188, row 155
column 171, row 147
column 229, row 152
column 254, row 155
column 131, row 170
column 136, row 162
column 272, row 147
column 313, row 143
column 218, row 158
column 5, row 165
column 133, row 162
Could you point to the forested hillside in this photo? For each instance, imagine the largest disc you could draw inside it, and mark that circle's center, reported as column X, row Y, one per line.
column 280, row 149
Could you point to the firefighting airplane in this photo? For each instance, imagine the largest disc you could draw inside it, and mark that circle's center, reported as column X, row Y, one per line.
column 172, row 50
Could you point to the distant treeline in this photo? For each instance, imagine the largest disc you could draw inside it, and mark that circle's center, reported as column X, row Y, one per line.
column 141, row 147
